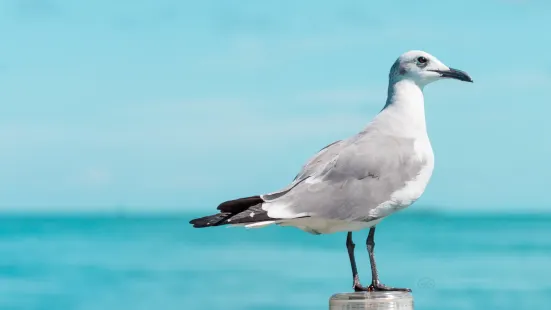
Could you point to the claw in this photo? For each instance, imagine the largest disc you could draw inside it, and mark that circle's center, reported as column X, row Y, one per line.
column 360, row 288
column 377, row 287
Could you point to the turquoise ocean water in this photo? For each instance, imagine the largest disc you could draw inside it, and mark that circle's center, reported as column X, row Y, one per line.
column 452, row 261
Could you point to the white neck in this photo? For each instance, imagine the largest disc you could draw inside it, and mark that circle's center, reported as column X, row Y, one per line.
column 404, row 112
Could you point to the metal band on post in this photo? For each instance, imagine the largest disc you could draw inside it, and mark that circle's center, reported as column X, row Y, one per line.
column 372, row 301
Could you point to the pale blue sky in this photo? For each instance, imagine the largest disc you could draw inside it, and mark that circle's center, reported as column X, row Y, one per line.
column 182, row 104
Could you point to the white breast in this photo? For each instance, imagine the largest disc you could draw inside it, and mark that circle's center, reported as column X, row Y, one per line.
column 415, row 188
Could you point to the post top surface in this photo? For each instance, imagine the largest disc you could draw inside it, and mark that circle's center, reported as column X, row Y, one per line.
column 372, row 301
column 387, row 296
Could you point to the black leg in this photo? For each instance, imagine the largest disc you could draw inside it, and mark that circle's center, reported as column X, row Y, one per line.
column 375, row 283
column 350, row 247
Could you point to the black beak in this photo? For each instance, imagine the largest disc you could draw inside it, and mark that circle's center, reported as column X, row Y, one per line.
column 454, row 74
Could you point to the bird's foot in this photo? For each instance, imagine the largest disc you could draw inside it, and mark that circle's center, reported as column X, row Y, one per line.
column 358, row 287
column 378, row 287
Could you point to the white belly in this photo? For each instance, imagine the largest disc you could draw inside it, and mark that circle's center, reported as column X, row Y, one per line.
column 316, row 225
column 323, row 226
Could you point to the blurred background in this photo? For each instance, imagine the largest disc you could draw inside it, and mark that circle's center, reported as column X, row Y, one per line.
column 122, row 120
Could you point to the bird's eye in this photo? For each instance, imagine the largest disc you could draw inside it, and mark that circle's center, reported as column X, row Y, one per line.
column 422, row 60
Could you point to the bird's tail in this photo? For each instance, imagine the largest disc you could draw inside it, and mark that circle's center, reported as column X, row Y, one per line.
column 228, row 210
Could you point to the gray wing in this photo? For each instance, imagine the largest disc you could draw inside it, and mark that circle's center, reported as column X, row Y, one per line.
column 323, row 156
column 309, row 169
column 349, row 179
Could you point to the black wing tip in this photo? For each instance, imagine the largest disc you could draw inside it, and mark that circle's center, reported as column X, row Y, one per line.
column 239, row 205
column 210, row 220
column 195, row 223
column 227, row 210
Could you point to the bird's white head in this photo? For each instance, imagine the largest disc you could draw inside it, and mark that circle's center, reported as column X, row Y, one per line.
column 422, row 68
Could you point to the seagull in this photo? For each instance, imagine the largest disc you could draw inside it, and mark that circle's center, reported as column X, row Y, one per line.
column 354, row 183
